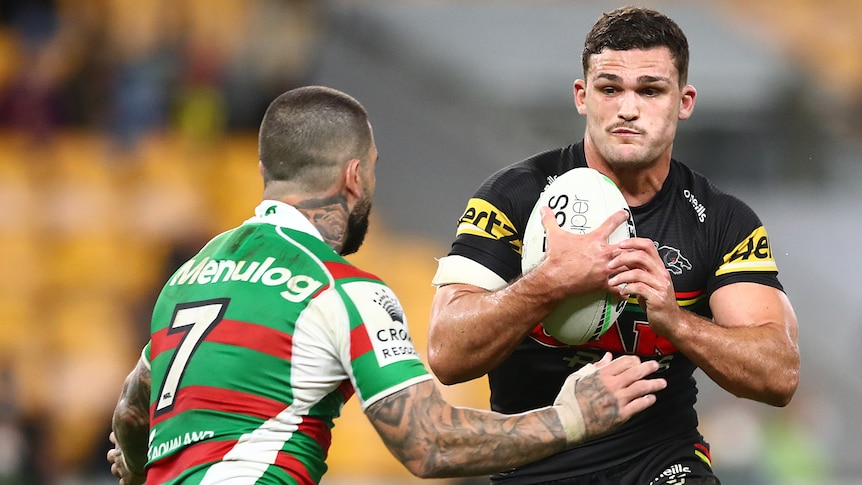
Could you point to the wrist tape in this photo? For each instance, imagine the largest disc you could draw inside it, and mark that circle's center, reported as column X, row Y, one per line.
column 568, row 408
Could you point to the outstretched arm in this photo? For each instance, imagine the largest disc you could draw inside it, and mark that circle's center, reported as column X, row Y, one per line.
column 434, row 439
column 472, row 330
column 130, row 424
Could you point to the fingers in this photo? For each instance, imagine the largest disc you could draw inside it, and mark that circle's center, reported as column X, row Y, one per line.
column 637, row 405
column 605, row 360
column 635, row 252
column 612, row 223
column 549, row 220
column 625, row 377
column 630, row 367
column 638, row 270
column 642, row 396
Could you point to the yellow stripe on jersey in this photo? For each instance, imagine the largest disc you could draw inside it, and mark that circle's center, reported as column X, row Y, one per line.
column 482, row 219
column 703, row 457
column 683, row 302
column 689, row 301
column 752, row 254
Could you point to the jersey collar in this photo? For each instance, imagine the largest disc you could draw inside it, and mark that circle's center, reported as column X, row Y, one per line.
column 280, row 214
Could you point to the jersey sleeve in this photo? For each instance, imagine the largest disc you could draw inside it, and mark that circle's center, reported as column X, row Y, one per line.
column 145, row 354
column 490, row 230
column 378, row 352
column 743, row 248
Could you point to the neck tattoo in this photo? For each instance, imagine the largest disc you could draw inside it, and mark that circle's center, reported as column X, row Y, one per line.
column 329, row 216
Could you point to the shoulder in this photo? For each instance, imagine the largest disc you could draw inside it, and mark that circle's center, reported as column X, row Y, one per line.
column 734, row 232
column 538, row 169
column 710, row 203
column 519, row 184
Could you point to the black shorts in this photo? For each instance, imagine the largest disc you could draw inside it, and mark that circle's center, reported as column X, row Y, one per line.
column 673, row 463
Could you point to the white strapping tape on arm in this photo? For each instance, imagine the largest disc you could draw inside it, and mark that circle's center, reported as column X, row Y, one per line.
column 458, row 269
column 566, row 404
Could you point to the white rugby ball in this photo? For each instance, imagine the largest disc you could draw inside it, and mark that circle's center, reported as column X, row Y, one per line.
column 582, row 199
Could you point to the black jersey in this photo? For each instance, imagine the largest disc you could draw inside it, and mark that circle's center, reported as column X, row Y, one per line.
column 707, row 239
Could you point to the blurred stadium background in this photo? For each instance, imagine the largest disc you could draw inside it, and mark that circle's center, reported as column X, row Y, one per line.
column 128, row 137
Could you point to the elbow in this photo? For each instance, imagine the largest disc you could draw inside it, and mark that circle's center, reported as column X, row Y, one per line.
column 420, row 471
column 784, row 389
column 443, row 373
column 128, row 419
column 445, row 368
column 445, row 378
column 785, row 386
column 779, row 391
column 448, row 379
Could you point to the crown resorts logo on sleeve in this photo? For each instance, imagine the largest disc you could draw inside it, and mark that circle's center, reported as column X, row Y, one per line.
column 384, row 321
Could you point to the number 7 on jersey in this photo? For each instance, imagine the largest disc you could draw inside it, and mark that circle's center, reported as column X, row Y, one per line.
column 196, row 320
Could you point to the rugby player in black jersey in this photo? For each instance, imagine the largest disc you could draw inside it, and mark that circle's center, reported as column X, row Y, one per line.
column 700, row 279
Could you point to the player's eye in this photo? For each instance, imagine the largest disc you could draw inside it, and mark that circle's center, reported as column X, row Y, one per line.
column 651, row 91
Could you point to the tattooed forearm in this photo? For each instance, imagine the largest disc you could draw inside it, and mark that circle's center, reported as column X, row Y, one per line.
column 329, row 216
column 131, row 420
column 433, row 439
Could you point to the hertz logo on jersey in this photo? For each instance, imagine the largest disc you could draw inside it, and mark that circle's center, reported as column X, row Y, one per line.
column 752, row 254
column 482, row 219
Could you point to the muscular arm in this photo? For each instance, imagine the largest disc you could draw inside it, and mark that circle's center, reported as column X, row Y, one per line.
column 749, row 348
column 131, row 420
column 434, row 439
column 472, row 330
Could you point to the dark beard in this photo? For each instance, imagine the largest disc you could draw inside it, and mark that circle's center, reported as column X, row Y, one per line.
column 357, row 227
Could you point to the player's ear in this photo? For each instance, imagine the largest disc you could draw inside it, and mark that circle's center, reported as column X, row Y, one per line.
column 686, row 102
column 580, row 92
column 353, row 178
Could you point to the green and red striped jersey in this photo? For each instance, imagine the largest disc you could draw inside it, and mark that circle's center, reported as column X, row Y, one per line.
column 256, row 344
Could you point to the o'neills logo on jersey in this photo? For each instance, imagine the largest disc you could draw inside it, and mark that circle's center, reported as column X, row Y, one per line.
column 208, row 271
column 699, row 208
column 482, row 219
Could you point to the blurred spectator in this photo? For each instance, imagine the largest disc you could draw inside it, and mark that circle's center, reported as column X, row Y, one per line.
column 276, row 52
column 139, row 41
column 136, row 68
column 38, row 44
column 21, row 438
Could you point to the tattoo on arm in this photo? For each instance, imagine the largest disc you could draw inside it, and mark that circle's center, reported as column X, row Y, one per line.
column 598, row 407
column 434, row 439
column 131, row 420
column 329, row 216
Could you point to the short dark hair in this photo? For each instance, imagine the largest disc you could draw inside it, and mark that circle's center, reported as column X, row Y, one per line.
column 629, row 28
column 308, row 133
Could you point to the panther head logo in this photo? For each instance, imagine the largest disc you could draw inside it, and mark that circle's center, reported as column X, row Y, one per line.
column 673, row 259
